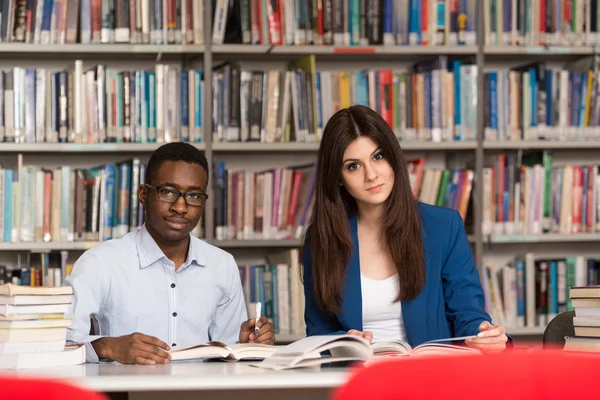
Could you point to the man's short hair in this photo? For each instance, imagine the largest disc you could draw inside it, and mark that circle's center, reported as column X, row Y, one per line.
column 176, row 151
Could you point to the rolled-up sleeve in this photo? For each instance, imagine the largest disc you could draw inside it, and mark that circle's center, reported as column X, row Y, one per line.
column 231, row 308
column 90, row 284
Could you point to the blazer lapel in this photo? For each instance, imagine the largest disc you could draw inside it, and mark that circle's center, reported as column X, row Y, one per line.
column 417, row 323
column 351, row 315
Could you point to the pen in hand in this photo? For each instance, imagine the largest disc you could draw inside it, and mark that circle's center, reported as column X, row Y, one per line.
column 257, row 317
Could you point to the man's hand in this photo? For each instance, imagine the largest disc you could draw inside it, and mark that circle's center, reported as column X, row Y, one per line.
column 267, row 331
column 136, row 348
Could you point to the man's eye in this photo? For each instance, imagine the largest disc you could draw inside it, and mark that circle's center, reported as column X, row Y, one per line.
column 167, row 192
column 194, row 196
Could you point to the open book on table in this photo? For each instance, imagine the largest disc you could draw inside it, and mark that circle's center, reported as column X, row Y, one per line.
column 220, row 350
column 341, row 348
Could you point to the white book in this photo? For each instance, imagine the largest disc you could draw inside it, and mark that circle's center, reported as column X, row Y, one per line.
column 307, row 352
column 8, row 310
column 32, row 335
column 69, row 356
column 36, row 300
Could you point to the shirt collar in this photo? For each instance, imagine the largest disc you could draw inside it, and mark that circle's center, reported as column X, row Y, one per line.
column 149, row 252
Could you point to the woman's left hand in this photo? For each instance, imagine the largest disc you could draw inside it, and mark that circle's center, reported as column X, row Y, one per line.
column 491, row 338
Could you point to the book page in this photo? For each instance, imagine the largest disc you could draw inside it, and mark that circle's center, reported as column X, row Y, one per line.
column 389, row 348
column 308, row 351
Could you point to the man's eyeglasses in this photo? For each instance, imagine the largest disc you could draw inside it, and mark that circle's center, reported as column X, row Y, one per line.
column 194, row 199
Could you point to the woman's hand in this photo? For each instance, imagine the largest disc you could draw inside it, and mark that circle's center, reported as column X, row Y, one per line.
column 368, row 336
column 490, row 339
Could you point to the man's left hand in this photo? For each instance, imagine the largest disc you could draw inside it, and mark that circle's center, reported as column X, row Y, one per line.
column 266, row 329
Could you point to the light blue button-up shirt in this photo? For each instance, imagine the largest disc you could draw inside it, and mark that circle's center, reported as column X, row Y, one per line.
column 131, row 286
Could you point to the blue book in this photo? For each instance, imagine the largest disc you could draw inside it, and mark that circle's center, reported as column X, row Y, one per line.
column 185, row 105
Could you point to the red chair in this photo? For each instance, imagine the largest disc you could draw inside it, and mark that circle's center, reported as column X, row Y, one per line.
column 18, row 388
column 513, row 375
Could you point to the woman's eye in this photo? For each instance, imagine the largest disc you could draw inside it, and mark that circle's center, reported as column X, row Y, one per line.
column 378, row 157
column 352, row 167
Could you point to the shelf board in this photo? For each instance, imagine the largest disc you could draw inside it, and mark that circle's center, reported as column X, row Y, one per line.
column 273, row 243
column 30, row 48
column 83, row 147
column 538, row 50
column 533, row 331
column 458, row 145
column 238, row 49
column 39, row 247
column 547, row 238
column 541, row 144
column 54, row 246
column 313, row 147
column 266, row 147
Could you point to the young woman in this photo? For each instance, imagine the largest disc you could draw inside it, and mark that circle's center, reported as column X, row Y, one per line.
column 378, row 263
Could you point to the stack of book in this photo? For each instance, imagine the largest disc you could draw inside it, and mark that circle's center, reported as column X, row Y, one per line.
column 33, row 327
column 586, row 303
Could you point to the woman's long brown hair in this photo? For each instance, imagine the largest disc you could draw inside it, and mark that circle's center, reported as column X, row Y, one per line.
column 329, row 234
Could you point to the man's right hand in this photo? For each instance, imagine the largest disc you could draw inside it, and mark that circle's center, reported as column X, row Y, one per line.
column 136, row 348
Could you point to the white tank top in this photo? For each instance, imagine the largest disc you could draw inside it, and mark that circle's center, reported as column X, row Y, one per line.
column 380, row 314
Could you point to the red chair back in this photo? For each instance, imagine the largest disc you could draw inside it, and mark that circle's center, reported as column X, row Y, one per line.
column 20, row 388
column 513, row 375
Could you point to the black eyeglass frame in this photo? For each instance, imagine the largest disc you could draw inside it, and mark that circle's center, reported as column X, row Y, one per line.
column 180, row 194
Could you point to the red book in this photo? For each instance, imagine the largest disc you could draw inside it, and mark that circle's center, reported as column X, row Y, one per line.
column 385, row 96
column 577, row 199
column 274, row 17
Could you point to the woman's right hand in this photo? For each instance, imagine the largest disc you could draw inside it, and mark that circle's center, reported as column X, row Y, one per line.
column 368, row 336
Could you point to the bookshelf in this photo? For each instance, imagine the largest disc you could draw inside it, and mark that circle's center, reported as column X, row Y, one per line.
column 207, row 56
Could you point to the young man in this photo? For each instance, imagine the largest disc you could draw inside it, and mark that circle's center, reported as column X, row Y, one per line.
column 159, row 288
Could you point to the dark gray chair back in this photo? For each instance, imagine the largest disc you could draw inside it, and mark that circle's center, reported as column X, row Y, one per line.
column 558, row 328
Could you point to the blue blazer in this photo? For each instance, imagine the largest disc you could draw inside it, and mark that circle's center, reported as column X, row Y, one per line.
column 451, row 303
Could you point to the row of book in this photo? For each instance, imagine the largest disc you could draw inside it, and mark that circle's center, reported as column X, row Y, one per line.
column 39, row 269
column 70, row 204
column 272, row 204
column 280, row 289
column 66, row 204
column 277, row 203
column 433, row 101
column 441, row 187
column 346, row 23
column 101, row 104
column 531, row 290
column 102, row 21
column 529, row 195
column 542, row 22
column 536, row 101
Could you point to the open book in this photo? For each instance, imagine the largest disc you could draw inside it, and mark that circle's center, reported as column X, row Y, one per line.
column 215, row 349
column 307, row 352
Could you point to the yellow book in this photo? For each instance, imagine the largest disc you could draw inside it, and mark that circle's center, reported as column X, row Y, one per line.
column 588, row 98
column 344, row 82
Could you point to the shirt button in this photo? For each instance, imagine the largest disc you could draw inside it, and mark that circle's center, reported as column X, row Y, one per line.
column 172, row 285
column 174, row 314
column 173, row 345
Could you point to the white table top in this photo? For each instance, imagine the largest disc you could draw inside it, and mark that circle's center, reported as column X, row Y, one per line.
column 187, row 376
